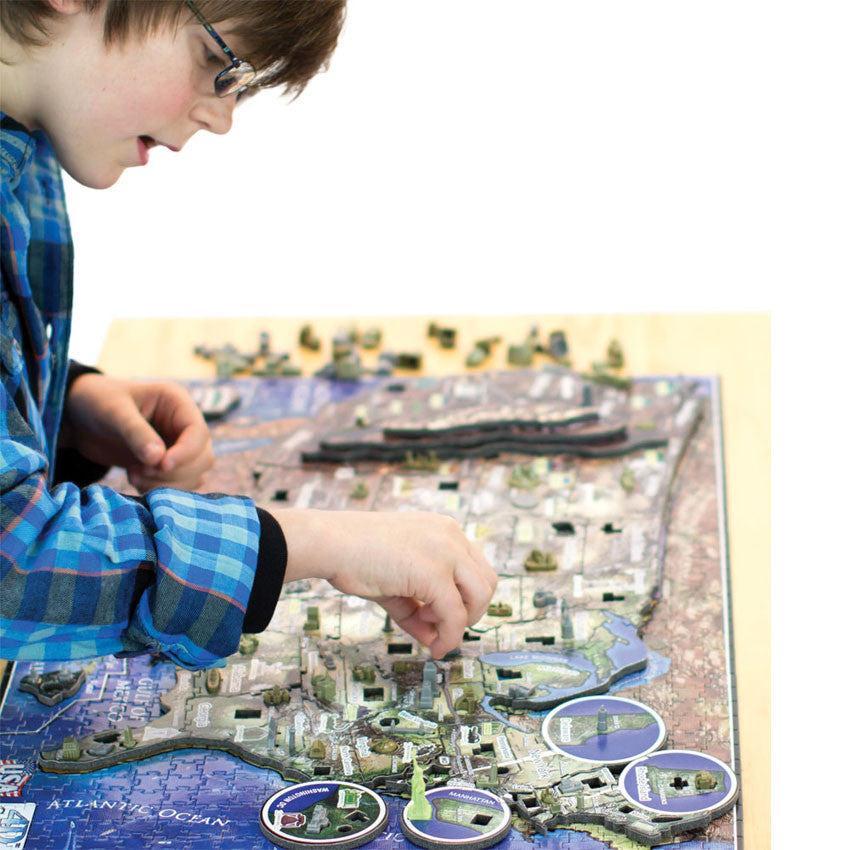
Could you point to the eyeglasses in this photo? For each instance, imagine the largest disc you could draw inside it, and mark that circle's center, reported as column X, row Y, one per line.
column 237, row 76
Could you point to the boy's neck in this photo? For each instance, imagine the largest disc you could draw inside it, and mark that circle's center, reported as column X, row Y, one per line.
column 15, row 99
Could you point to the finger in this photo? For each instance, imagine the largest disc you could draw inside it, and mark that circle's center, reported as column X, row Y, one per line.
column 140, row 436
column 193, row 448
column 407, row 613
column 451, row 616
column 184, row 478
column 485, row 567
column 475, row 590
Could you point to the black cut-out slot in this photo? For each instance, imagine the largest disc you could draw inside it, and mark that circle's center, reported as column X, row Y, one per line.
column 395, row 388
column 564, row 527
column 665, row 819
column 488, row 748
column 447, row 485
column 399, row 648
column 593, row 782
column 546, row 640
column 529, row 801
column 626, row 810
column 343, row 828
column 109, row 737
column 245, row 713
column 482, row 820
column 358, row 817
column 612, row 597
column 373, row 693
column 441, row 769
column 281, row 495
column 610, row 528
column 469, row 636
column 502, row 770
column 504, row 673
column 389, row 721
column 678, row 782
column 322, row 770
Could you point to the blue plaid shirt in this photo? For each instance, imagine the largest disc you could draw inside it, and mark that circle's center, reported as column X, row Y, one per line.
column 88, row 571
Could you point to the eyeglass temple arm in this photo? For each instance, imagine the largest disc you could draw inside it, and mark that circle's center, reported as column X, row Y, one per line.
column 216, row 37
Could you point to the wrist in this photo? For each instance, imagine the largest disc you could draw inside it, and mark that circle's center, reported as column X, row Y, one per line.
column 306, row 532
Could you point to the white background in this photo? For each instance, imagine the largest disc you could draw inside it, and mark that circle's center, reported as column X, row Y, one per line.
column 482, row 156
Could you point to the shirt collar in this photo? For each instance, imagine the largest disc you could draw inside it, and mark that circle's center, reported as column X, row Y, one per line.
column 17, row 146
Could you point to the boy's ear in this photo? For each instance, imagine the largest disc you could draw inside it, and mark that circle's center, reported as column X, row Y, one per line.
column 66, row 7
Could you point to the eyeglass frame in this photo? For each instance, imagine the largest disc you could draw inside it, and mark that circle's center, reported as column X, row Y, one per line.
column 235, row 63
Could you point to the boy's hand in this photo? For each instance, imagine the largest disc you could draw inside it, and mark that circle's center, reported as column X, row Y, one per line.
column 419, row 566
column 154, row 430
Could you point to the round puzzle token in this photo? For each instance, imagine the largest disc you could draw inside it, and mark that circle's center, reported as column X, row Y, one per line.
column 460, row 817
column 604, row 730
column 679, row 782
column 332, row 814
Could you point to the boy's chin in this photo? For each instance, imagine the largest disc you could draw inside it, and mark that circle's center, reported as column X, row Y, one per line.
column 94, row 176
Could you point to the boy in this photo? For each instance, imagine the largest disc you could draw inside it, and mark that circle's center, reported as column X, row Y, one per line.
column 93, row 85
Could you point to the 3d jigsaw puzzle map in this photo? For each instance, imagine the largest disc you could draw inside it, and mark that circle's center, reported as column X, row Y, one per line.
column 602, row 511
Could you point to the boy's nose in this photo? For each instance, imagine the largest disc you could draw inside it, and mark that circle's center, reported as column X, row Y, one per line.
column 215, row 113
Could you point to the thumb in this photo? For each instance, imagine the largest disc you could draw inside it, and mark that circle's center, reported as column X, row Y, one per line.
column 141, row 438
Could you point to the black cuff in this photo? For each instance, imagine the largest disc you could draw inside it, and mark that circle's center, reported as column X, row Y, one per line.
column 70, row 465
column 268, row 580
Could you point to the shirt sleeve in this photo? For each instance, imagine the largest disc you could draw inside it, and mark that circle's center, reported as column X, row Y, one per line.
column 88, row 571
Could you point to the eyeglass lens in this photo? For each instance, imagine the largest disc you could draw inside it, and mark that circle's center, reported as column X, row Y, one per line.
column 233, row 79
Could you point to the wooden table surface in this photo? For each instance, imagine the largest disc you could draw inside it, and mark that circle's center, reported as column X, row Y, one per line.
column 734, row 346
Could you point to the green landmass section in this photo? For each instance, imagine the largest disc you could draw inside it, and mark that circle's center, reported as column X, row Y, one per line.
column 584, row 727
column 616, row 840
column 665, row 777
column 337, row 818
column 463, row 814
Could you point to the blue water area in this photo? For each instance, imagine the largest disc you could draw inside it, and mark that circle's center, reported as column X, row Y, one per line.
column 627, row 651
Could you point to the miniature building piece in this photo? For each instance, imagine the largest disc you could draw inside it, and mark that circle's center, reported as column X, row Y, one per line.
column 481, row 350
column 277, row 696
column 524, row 477
column 324, row 687
column 539, row 562
column 627, row 479
column 558, row 347
column 614, row 355
column 418, row 808
column 499, row 609
column 371, row 338
column 408, row 360
column 308, row 339
column 520, row 355
column 213, row 680
column 359, row 491
column 446, row 336
column 312, row 622
column 543, row 598
column 363, row 673
column 317, row 749
column 418, row 461
column 248, row 644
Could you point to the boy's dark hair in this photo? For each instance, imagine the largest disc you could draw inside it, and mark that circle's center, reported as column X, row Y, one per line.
column 289, row 41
